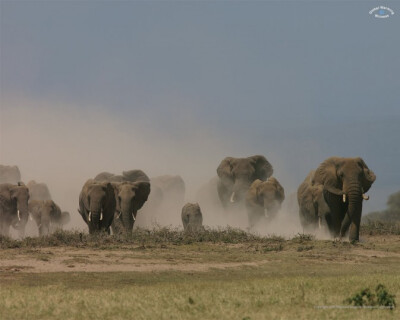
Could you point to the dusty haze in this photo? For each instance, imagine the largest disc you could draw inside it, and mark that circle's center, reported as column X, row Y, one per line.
column 64, row 145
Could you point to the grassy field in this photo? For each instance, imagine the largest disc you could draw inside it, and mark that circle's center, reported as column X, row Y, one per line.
column 219, row 274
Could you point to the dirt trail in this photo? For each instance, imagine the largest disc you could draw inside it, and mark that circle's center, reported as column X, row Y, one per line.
column 83, row 260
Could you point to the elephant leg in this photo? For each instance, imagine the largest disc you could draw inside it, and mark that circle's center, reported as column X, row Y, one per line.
column 345, row 225
column 5, row 230
column 355, row 230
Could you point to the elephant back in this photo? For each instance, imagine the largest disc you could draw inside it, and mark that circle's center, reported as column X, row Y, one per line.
column 9, row 174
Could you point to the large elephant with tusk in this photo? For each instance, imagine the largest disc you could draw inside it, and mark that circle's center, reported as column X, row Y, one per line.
column 131, row 191
column 97, row 205
column 13, row 207
column 312, row 205
column 264, row 199
column 130, row 197
column 344, row 183
column 237, row 174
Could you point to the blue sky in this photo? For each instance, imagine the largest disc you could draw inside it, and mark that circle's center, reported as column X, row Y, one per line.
column 298, row 81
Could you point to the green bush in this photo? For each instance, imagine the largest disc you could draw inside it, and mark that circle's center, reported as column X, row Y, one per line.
column 366, row 298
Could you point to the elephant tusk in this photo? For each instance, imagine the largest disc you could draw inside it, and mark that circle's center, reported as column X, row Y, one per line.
column 232, row 197
column 119, row 214
column 365, row 197
column 344, row 197
column 90, row 216
column 19, row 217
column 319, row 222
column 101, row 215
column 133, row 216
column 30, row 218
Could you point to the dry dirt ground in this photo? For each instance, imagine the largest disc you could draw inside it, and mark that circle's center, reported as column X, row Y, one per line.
column 197, row 257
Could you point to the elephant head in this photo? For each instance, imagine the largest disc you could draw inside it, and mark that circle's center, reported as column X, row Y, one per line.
column 45, row 213
column 192, row 218
column 237, row 174
column 97, row 205
column 345, row 182
column 269, row 195
column 18, row 196
column 264, row 199
column 130, row 197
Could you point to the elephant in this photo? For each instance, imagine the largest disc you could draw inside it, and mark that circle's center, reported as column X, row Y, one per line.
column 9, row 174
column 264, row 199
column 344, row 183
column 237, row 174
column 38, row 191
column 192, row 218
column 131, row 191
column 130, row 197
column 172, row 187
column 97, row 205
column 47, row 215
column 313, row 208
column 13, row 207
column 167, row 196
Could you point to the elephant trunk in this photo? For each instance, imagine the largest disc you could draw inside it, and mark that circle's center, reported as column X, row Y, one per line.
column 94, row 221
column 353, row 215
column 128, row 217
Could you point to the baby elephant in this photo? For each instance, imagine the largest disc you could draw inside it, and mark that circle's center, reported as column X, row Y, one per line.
column 264, row 199
column 47, row 215
column 313, row 208
column 192, row 217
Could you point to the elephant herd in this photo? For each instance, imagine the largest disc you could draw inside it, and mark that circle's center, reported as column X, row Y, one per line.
column 19, row 202
column 330, row 197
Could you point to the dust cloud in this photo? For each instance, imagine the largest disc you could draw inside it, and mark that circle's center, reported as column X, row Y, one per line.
column 63, row 145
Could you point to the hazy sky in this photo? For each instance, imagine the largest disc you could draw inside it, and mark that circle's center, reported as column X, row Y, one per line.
column 297, row 81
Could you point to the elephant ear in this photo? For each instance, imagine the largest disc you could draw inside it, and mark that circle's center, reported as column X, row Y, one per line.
column 224, row 169
column 369, row 176
column 110, row 191
column 326, row 174
column 263, row 169
column 142, row 193
column 253, row 195
column 115, row 187
column 280, row 191
column 56, row 211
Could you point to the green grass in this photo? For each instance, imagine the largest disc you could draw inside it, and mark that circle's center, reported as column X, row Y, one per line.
column 252, row 293
column 288, row 279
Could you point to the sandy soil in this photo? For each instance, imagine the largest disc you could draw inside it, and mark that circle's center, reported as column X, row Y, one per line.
column 83, row 260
